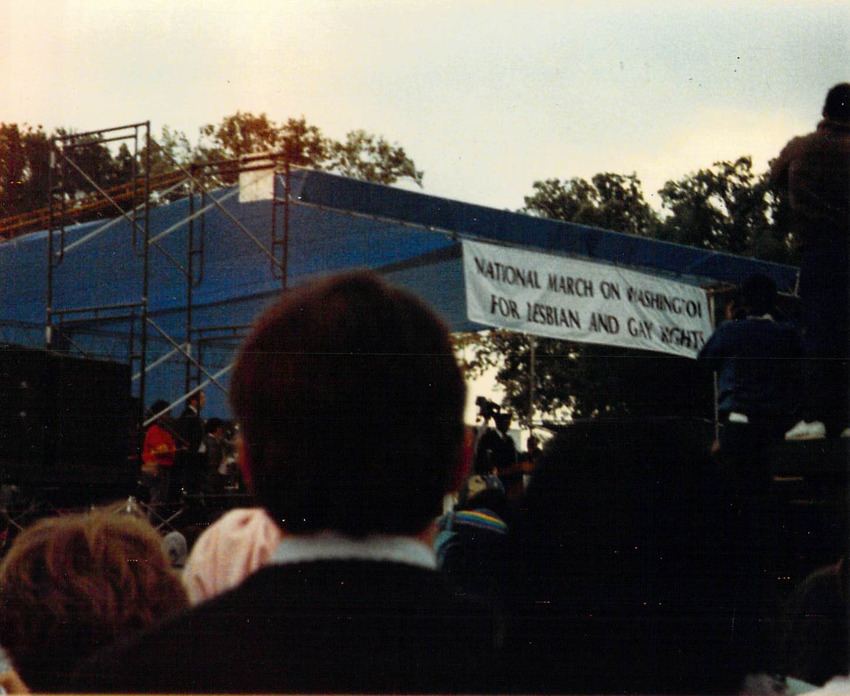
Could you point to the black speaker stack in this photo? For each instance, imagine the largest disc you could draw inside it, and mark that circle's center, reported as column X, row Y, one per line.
column 65, row 422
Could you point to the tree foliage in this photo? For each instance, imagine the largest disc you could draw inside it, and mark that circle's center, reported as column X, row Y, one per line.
column 726, row 207
column 24, row 160
column 361, row 155
column 94, row 167
column 365, row 156
column 171, row 149
column 611, row 201
column 25, row 156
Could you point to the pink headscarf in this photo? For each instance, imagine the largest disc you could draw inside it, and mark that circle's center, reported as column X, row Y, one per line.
column 228, row 551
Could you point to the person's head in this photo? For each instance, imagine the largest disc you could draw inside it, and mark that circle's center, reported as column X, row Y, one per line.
column 197, row 400
column 228, row 551
column 837, row 104
column 350, row 401
column 758, row 294
column 623, row 540
column 533, row 443
column 74, row 584
column 160, row 406
column 176, row 548
column 480, row 491
column 503, row 421
column 214, row 427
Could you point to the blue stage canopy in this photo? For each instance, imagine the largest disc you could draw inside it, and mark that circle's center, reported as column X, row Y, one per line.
column 335, row 223
column 688, row 264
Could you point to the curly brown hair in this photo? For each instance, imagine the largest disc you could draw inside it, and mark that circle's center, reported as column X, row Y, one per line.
column 71, row 585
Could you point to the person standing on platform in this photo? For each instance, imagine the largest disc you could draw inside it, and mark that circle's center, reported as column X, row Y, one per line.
column 159, row 453
column 813, row 174
column 215, row 468
column 190, row 426
column 496, row 449
column 757, row 359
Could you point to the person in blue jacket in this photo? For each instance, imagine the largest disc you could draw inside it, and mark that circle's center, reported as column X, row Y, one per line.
column 757, row 359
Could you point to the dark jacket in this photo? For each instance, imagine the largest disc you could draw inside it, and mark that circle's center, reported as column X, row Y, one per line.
column 190, row 426
column 494, row 450
column 326, row 626
column 757, row 361
column 814, row 171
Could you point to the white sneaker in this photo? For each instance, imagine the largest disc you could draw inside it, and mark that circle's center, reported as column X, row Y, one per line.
column 845, row 432
column 807, row 431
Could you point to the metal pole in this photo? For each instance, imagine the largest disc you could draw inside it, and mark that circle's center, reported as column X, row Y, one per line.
column 134, row 171
column 51, row 176
column 532, row 357
column 187, row 375
column 143, row 353
column 224, row 211
column 285, row 262
column 711, row 314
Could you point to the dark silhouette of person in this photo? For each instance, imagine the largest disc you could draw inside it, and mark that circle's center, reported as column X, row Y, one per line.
column 619, row 581
column 812, row 174
column 190, row 426
column 815, row 628
column 757, row 358
column 496, row 450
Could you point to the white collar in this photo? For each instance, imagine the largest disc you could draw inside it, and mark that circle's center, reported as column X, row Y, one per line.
column 325, row 546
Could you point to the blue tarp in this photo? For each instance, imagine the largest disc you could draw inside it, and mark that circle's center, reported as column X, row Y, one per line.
column 689, row 264
column 335, row 223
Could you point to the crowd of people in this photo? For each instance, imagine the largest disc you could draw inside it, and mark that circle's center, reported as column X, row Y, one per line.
column 611, row 561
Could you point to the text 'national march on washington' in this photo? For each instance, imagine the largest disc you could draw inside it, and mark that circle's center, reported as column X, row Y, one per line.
column 579, row 287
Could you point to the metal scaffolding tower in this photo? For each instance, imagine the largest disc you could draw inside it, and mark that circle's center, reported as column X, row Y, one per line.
column 132, row 201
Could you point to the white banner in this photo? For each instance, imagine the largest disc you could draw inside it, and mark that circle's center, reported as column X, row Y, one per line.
column 582, row 301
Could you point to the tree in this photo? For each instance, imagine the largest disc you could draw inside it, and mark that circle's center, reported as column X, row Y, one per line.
column 36, row 181
column 238, row 135
column 587, row 380
column 124, row 165
column 25, row 157
column 303, row 145
column 12, row 166
column 611, row 201
column 365, row 156
column 726, row 207
column 88, row 165
column 362, row 155
column 172, row 149
column 24, row 161
column 622, row 205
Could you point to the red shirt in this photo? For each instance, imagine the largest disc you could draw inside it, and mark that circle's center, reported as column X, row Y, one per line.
column 159, row 446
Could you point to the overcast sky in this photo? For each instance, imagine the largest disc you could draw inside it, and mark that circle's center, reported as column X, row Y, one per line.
column 486, row 97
